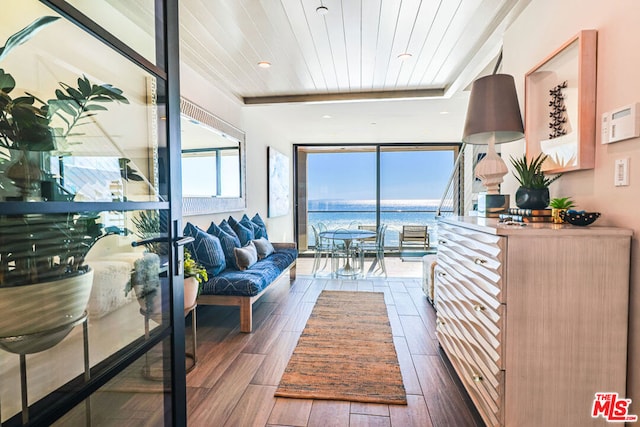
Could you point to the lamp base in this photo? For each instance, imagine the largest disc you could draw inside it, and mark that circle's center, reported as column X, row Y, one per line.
column 492, row 205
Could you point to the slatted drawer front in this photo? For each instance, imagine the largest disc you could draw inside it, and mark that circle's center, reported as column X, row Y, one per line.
column 469, row 300
column 488, row 399
column 480, row 324
column 474, row 254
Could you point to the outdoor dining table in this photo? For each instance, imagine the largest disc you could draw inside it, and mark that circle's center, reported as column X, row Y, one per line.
column 348, row 236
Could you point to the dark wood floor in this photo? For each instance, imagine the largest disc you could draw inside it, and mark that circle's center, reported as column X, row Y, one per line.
column 237, row 374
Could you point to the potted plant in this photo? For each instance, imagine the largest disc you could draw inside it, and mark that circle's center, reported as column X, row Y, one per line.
column 42, row 270
column 30, row 126
column 42, row 257
column 533, row 192
column 194, row 276
column 558, row 205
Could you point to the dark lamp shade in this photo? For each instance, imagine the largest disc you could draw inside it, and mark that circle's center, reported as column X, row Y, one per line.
column 493, row 111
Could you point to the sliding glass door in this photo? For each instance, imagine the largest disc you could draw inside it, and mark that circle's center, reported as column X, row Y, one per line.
column 341, row 188
column 367, row 185
column 412, row 182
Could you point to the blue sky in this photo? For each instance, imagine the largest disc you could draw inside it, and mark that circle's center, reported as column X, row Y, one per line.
column 404, row 175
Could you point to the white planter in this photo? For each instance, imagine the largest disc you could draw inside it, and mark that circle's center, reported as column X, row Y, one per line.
column 36, row 317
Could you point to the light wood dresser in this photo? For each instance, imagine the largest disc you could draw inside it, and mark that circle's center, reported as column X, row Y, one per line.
column 534, row 318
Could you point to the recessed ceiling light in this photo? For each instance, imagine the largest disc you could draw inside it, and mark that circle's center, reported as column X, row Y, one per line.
column 264, row 64
column 326, row 116
column 322, row 10
column 404, row 56
column 444, row 112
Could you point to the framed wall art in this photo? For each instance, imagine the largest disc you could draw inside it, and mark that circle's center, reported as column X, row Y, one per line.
column 560, row 106
column 278, row 183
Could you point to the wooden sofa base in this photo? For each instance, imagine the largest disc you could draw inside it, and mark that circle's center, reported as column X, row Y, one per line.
column 245, row 302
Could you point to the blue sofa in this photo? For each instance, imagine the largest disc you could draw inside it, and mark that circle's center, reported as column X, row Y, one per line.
column 240, row 261
column 242, row 288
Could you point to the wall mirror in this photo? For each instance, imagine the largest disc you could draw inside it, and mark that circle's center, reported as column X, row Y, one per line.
column 213, row 163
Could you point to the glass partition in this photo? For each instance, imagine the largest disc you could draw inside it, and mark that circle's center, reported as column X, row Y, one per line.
column 142, row 385
column 133, row 22
column 96, row 291
column 88, row 276
column 70, row 128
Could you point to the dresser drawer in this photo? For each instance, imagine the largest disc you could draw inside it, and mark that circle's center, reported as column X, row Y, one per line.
column 487, row 392
column 478, row 323
column 477, row 256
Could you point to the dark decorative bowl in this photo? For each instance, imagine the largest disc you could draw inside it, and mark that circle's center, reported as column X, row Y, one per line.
column 579, row 218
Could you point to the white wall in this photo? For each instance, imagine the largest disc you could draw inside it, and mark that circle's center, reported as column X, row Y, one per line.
column 260, row 133
column 538, row 31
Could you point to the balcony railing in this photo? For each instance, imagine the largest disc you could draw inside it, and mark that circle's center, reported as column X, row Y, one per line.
column 394, row 218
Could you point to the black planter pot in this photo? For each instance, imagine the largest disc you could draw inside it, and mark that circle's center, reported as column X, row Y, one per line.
column 532, row 198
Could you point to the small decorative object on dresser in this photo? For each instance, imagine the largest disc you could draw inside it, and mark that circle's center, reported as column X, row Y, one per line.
column 533, row 192
column 557, row 205
column 579, row 217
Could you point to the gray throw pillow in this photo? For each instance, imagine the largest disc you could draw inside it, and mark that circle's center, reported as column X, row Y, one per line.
column 263, row 247
column 246, row 256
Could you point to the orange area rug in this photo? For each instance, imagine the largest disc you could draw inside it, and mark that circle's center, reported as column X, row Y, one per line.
column 346, row 352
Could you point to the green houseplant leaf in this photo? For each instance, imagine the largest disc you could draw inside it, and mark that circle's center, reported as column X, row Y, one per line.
column 25, row 34
column 561, row 203
column 530, row 174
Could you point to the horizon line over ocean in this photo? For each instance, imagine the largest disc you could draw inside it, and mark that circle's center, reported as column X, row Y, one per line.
column 315, row 204
column 343, row 213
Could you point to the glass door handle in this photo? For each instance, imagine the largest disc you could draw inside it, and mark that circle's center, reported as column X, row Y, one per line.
column 181, row 241
column 178, row 241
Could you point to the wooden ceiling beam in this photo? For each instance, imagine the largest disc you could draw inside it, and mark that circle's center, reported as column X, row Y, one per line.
column 345, row 96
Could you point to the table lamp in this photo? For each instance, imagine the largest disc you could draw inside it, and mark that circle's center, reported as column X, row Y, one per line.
column 493, row 117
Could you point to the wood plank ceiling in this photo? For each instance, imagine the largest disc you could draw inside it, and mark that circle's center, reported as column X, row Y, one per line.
column 351, row 52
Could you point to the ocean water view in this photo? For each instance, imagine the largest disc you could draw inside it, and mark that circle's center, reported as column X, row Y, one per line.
column 394, row 213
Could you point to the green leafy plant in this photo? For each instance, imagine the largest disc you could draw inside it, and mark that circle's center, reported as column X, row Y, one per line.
column 26, row 121
column 561, row 203
column 148, row 225
column 194, row 269
column 49, row 247
column 530, row 174
column 37, row 248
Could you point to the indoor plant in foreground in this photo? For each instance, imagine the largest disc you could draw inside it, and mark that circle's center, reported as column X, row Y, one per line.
column 42, row 257
column 30, row 126
column 533, row 192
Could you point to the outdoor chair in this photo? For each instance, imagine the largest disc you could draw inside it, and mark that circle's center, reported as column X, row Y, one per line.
column 414, row 235
column 368, row 228
column 375, row 247
column 346, row 257
column 322, row 247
